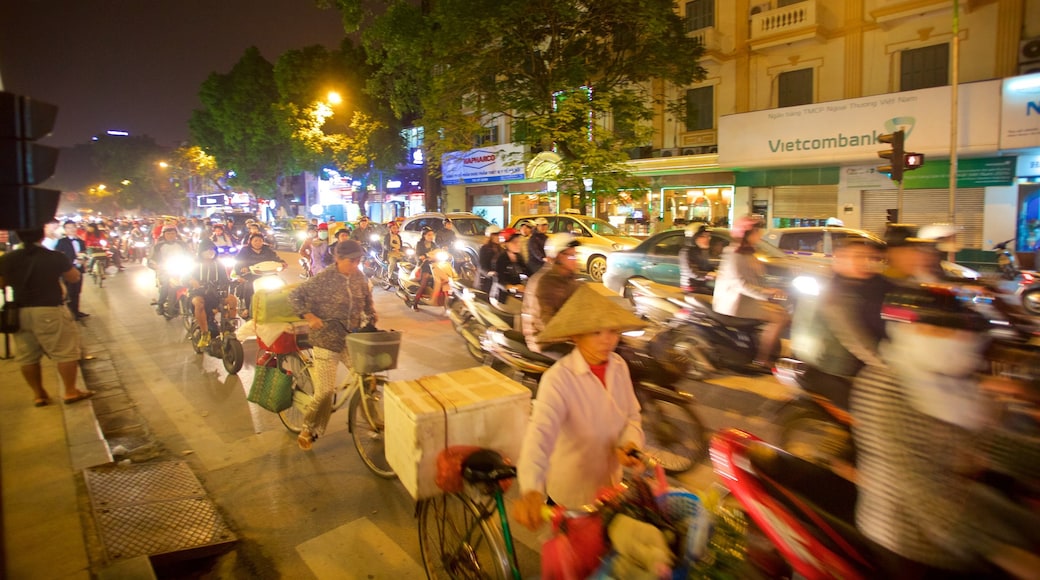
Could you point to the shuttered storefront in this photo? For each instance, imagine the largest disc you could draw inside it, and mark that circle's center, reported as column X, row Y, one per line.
column 928, row 206
column 805, row 201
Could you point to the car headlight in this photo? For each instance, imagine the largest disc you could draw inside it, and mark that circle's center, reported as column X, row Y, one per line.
column 806, row 285
column 460, row 245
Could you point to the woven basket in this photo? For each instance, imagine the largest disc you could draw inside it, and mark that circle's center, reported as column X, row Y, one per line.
column 271, row 389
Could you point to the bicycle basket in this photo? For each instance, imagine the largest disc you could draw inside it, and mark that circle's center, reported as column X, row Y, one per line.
column 371, row 352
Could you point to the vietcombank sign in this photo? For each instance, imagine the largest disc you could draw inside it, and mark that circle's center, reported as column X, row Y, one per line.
column 844, row 132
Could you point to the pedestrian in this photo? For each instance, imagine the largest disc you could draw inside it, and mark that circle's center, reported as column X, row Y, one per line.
column 585, row 420
column 336, row 301
column 46, row 327
column 72, row 246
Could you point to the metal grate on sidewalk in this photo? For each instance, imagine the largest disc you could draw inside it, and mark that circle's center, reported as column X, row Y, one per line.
column 155, row 509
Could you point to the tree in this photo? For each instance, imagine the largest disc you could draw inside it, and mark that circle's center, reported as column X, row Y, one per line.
column 570, row 76
column 129, row 176
column 239, row 125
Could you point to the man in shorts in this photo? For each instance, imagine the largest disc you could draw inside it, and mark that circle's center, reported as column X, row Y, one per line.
column 47, row 327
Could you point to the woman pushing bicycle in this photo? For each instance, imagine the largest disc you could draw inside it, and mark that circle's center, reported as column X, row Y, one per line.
column 338, row 293
column 585, row 422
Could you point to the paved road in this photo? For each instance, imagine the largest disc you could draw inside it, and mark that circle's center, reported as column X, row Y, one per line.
column 307, row 515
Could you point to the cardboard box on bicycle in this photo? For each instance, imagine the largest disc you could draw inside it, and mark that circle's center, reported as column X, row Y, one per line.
column 477, row 406
column 272, row 306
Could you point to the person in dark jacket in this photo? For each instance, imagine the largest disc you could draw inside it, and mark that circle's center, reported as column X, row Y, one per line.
column 536, row 245
column 488, row 258
column 695, row 265
column 72, row 246
column 510, row 272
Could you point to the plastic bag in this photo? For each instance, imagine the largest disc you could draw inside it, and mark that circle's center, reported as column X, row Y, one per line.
column 449, row 467
column 575, row 551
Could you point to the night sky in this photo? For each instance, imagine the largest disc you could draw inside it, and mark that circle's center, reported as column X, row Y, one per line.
column 137, row 65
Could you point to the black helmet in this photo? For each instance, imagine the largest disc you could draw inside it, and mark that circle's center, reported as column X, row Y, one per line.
column 426, row 229
column 933, row 304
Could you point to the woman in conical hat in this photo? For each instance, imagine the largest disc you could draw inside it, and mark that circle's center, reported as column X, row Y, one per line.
column 585, row 419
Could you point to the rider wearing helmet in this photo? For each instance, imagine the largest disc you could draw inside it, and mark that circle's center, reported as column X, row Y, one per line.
column 488, row 257
column 536, row 255
column 924, row 426
column 393, row 248
column 510, row 272
column 548, row 288
column 695, row 265
column 425, row 249
column 740, row 290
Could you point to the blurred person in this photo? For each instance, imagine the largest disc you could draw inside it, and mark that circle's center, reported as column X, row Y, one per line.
column 741, row 292
column 51, row 234
column 910, row 258
column 209, row 289
column 526, row 229
column 585, row 419
column 425, row 252
column 168, row 246
column 363, row 231
column 341, row 294
column 72, row 246
column 536, row 257
column 695, row 266
column 318, row 250
column 487, row 258
column 924, row 426
column 548, row 289
column 220, row 237
column 255, row 252
column 393, row 249
column 339, row 235
column 446, row 235
column 510, row 272
column 35, row 274
column 837, row 333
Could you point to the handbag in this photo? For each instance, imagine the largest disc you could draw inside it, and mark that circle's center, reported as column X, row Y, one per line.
column 271, row 389
column 9, row 321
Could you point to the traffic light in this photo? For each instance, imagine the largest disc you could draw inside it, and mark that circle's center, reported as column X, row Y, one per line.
column 24, row 164
column 892, row 216
column 912, row 160
column 896, row 156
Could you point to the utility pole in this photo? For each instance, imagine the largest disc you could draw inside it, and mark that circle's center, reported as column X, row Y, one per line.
column 954, row 78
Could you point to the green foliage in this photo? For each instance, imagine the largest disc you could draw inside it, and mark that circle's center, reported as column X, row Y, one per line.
column 129, row 176
column 456, row 65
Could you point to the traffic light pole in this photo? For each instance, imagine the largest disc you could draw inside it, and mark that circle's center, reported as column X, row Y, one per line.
column 899, row 200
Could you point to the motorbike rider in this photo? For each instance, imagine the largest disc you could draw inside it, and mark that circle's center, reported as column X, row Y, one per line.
column 339, row 235
column 740, row 291
column 425, row 250
column 837, row 333
column 252, row 254
column 695, row 267
column 925, row 426
column 316, row 249
column 525, row 229
column 487, row 258
column 168, row 246
column 536, row 257
column 220, row 238
column 547, row 290
column 911, row 258
column 209, row 285
column 363, row 231
column 446, row 235
column 393, row 249
column 510, row 272
column 97, row 243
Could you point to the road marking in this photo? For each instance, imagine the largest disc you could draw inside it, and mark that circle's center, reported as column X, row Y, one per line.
column 324, row 554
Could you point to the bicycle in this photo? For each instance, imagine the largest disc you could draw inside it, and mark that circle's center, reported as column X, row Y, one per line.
column 458, row 537
column 371, row 353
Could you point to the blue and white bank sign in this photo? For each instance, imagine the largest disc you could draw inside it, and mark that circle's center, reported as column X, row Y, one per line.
column 492, row 163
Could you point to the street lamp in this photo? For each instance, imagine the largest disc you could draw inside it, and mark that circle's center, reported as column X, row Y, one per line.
column 334, row 98
column 163, row 164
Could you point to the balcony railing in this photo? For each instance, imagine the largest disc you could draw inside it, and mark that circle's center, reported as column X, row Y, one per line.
column 707, row 37
column 784, row 25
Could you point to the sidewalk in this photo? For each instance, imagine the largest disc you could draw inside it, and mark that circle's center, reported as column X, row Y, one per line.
column 42, row 452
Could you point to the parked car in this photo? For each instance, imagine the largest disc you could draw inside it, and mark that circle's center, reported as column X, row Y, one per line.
column 817, row 244
column 657, row 259
column 288, row 234
column 469, row 229
column 599, row 238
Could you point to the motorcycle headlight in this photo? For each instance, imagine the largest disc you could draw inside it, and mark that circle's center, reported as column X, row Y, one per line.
column 139, row 244
column 806, row 285
column 227, row 261
column 268, row 283
column 180, row 265
column 442, row 256
column 460, row 245
column 373, row 238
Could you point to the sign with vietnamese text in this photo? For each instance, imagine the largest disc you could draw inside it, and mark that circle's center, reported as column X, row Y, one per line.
column 1020, row 112
column 492, row 163
column 215, row 200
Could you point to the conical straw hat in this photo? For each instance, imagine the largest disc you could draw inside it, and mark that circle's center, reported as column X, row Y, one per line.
column 586, row 312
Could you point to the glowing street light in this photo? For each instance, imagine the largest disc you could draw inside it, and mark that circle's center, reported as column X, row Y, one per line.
column 163, row 164
column 334, row 98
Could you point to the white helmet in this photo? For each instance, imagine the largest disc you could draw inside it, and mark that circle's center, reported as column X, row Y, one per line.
column 943, row 234
column 491, row 230
column 559, row 242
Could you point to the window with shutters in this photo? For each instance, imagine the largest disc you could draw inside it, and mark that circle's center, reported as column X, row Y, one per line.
column 700, row 14
column 795, row 88
column 700, row 109
column 925, row 67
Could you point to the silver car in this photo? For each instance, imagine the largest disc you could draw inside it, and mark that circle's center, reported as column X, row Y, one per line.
column 598, row 237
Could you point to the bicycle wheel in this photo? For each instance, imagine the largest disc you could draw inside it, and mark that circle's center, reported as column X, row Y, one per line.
column 99, row 274
column 303, row 392
column 366, row 425
column 458, row 539
column 187, row 311
column 194, row 335
column 674, row 434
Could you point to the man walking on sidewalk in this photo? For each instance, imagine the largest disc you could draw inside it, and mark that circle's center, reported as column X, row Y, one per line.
column 46, row 326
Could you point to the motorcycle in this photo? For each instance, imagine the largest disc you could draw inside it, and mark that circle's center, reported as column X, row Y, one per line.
column 225, row 344
column 408, row 279
column 372, row 264
column 96, row 262
column 674, row 433
column 464, row 263
column 178, row 269
column 264, row 278
column 472, row 313
column 1023, row 284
